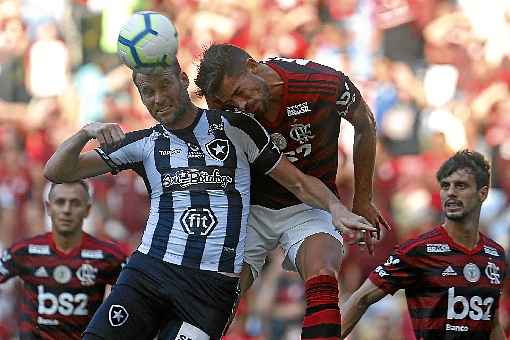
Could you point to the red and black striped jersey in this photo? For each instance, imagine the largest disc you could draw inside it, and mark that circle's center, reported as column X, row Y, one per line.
column 315, row 99
column 452, row 292
column 61, row 292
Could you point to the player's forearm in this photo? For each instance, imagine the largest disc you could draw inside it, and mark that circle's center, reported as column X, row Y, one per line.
column 62, row 166
column 364, row 149
column 312, row 191
column 352, row 312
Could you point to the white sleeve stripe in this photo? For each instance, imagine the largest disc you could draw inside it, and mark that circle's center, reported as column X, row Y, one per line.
column 274, row 166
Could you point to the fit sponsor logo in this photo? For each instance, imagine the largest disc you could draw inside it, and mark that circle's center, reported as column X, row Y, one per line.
column 490, row 251
column 437, row 248
column 474, row 308
column 298, row 109
column 38, row 249
column 186, row 178
column 96, row 254
column 198, row 221
column 65, row 303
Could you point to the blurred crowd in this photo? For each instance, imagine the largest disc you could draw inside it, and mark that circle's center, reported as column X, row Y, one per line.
column 436, row 74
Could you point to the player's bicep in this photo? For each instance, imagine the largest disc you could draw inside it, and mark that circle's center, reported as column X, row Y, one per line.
column 361, row 118
column 369, row 293
column 348, row 99
column 90, row 164
column 396, row 273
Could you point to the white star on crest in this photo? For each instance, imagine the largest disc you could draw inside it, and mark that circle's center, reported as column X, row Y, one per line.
column 117, row 315
column 218, row 149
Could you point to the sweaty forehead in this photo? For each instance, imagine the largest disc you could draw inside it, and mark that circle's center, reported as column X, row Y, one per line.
column 148, row 79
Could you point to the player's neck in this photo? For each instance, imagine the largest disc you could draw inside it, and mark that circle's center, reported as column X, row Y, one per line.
column 464, row 233
column 276, row 85
column 66, row 243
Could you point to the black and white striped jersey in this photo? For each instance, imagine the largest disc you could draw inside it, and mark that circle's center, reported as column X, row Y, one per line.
column 198, row 180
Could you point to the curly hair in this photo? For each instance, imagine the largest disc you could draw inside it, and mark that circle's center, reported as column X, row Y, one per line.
column 473, row 161
column 218, row 61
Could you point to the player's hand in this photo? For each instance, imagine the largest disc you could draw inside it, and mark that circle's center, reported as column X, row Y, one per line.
column 372, row 214
column 104, row 133
column 350, row 224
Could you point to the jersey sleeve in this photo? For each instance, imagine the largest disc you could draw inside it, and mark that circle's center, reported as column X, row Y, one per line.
column 396, row 273
column 8, row 267
column 256, row 143
column 125, row 155
column 348, row 98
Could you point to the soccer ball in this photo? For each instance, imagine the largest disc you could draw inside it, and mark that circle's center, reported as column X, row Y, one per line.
column 148, row 41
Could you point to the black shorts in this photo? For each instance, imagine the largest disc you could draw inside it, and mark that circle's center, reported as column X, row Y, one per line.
column 151, row 295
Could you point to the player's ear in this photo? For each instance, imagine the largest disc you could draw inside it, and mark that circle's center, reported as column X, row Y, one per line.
column 252, row 65
column 483, row 193
column 47, row 207
column 184, row 79
column 87, row 209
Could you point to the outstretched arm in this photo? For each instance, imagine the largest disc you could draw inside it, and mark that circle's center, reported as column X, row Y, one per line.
column 68, row 164
column 313, row 192
column 356, row 306
column 364, row 149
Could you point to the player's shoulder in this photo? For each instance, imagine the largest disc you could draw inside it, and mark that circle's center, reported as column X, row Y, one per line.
column 133, row 137
column 99, row 249
column 299, row 66
column 35, row 245
column 136, row 135
column 239, row 119
column 432, row 241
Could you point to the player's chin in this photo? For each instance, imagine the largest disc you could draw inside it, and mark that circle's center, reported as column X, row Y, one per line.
column 455, row 216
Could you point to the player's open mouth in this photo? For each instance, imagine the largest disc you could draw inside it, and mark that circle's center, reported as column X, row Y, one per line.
column 453, row 205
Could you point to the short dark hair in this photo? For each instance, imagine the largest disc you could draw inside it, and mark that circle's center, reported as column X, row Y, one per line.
column 81, row 182
column 218, row 61
column 473, row 161
column 174, row 69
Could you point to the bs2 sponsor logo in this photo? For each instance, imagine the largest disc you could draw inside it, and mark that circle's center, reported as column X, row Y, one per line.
column 64, row 304
column 476, row 308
